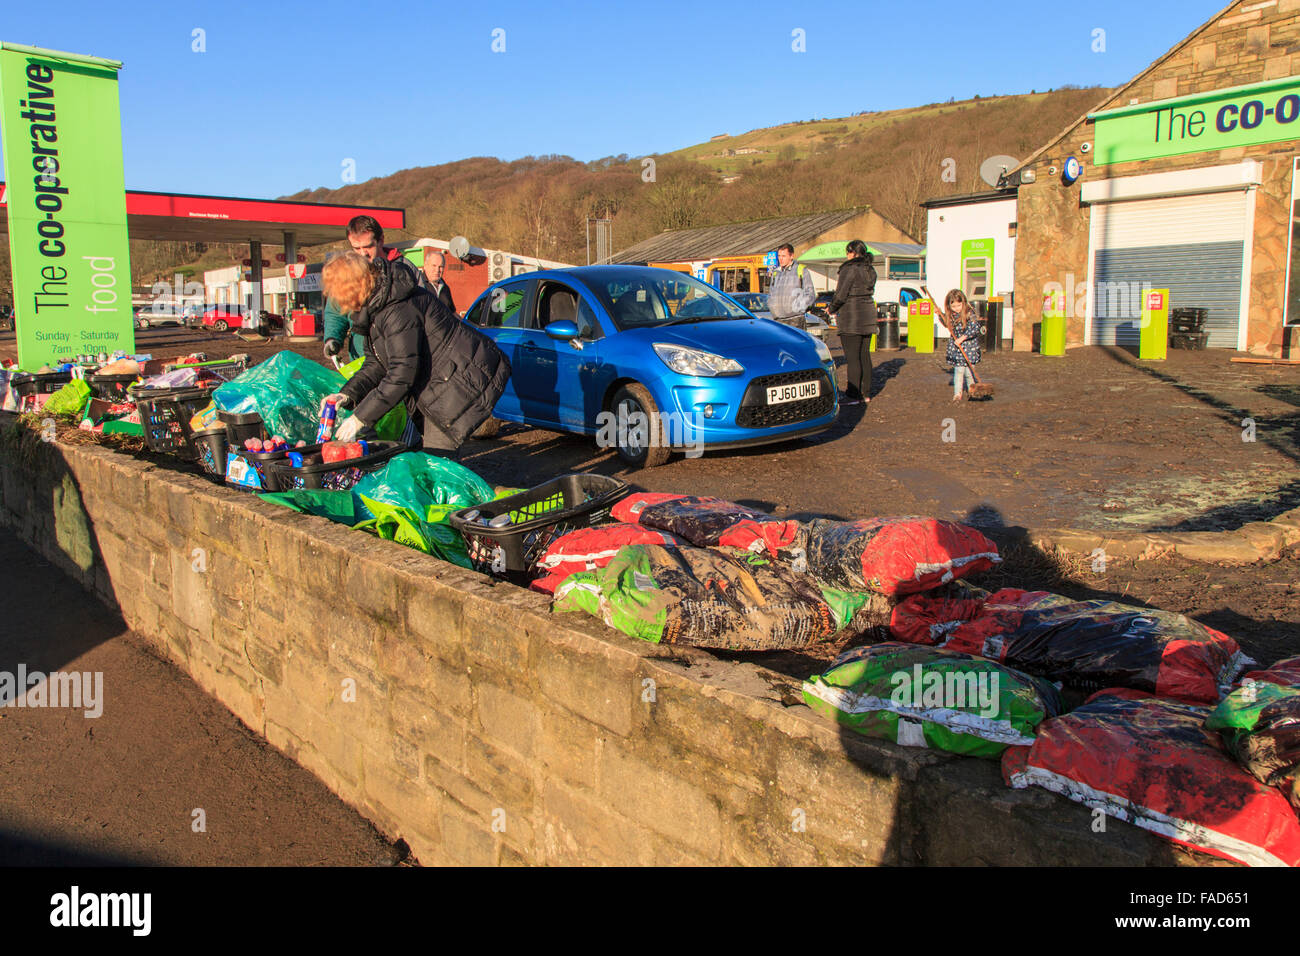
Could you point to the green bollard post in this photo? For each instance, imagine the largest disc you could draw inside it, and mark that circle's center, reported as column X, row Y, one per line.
column 1051, row 339
column 920, row 326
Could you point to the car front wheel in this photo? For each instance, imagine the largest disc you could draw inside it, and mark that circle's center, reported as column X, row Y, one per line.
column 220, row 325
column 639, row 434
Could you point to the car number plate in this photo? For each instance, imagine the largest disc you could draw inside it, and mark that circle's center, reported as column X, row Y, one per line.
column 777, row 394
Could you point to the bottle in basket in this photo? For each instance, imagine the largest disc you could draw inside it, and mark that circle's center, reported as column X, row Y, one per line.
column 328, row 414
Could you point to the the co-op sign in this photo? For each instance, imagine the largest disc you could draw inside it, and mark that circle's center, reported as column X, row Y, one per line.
column 1240, row 116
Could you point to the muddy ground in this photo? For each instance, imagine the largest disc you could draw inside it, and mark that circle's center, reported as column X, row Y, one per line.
column 1093, row 440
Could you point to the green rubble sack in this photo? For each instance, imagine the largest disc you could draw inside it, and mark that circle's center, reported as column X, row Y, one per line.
column 286, row 390
column 1260, row 724
column 623, row 594
column 68, row 400
column 391, row 426
column 921, row 696
column 707, row 597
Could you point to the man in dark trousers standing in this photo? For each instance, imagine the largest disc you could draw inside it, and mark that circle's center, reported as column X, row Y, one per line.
column 435, row 264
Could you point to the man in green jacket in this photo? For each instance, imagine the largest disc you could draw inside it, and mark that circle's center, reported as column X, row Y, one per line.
column 340, row 341
column 366, row 237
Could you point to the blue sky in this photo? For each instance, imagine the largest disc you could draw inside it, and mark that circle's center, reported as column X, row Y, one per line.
column 286, row 92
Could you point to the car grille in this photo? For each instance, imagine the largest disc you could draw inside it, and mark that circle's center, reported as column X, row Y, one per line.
column 756, row 413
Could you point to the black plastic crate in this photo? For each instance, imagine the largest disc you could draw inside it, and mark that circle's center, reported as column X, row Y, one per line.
column 165, row 414
column 1186, row 319
column 26, row 386
column 537, row 517
column 111, row 388
column 1194, row 341
column 241, row 426
column 211, row 445
column 257, row 461
column 330, row 476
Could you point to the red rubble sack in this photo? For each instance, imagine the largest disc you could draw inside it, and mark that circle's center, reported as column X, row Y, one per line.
column 1285, row 672
column 1150, row 762
column 709, row 522
column 901, row 555
column 590, row 548
column 1087, row 645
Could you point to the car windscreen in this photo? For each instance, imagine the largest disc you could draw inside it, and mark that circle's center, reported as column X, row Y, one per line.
column 638, row 299
column 754, row 301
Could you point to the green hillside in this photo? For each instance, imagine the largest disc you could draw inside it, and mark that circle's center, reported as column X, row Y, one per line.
column 538, row 205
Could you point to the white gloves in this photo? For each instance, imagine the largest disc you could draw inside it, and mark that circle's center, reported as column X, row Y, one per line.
column 349, row 430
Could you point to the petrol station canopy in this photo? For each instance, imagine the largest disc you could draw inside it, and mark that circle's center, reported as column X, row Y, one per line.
column 179, row 217
column 837, row 252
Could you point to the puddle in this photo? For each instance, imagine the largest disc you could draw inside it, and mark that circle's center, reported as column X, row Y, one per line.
column 1197, row 503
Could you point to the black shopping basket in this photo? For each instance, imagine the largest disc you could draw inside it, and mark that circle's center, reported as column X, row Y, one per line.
column 330, row 476
column 165, row 414
column 536, row 518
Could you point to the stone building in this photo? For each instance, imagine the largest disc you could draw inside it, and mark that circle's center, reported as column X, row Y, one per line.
column 1184, row 178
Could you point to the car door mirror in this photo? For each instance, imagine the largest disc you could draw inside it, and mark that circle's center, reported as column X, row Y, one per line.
column 563, row 330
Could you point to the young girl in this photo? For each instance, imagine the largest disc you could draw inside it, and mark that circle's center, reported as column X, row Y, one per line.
column 964, row 327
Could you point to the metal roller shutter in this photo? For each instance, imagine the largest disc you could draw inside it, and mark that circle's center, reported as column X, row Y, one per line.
column 1191, row 245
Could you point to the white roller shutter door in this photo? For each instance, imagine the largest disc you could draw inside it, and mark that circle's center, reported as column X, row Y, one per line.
column 1191, row 245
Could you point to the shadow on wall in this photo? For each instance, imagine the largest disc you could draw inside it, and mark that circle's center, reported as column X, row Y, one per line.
column 39, row 495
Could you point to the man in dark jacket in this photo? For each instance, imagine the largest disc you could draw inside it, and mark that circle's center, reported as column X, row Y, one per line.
column 448, row 374
column 854, row 306
column 435, row 264
column 366, row 236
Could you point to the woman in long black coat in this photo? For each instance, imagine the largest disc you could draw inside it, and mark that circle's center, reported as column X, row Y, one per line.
column 418, row 352
column 854, row 306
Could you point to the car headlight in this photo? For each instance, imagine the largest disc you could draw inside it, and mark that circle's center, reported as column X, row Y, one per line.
column 686, row 361
column 823, row 353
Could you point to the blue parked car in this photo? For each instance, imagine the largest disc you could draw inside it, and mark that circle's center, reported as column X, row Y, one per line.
column 651, row 361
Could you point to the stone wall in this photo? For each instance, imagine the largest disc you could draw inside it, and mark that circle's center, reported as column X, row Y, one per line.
column 464, row 718
column 1258, row 44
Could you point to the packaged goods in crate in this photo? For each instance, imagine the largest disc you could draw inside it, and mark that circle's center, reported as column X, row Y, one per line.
column 335, row 473
column 248, row 467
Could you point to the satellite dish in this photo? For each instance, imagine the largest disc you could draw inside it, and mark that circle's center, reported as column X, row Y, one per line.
column 458, row 247
column 993, row 168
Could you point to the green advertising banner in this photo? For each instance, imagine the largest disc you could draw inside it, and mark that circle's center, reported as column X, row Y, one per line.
column 62, row 140
column 1239, row 116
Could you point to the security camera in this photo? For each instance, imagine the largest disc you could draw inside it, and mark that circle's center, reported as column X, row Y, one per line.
column 1085, row 147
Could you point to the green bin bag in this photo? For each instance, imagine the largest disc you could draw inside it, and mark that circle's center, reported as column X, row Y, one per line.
column 409, row 500
column 1260, row 724
column 920, row 696
column 286, row 390
column 68, row 400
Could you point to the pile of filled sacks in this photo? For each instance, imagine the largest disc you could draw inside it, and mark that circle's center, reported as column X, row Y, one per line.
column 1141, row 713
column 681, row 569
